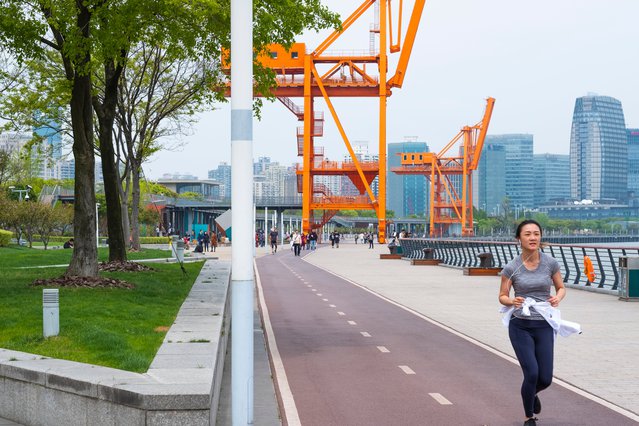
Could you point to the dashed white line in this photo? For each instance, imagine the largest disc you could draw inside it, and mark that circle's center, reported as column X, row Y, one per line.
column 332, row 306
column 365, row 334
column 309, row 285
column 325, row 300
column 319, row 294
column 341, row 313
column 313, row 289
column 352, row 323
column 440, row 398
column 383, row 349
column 406, row 369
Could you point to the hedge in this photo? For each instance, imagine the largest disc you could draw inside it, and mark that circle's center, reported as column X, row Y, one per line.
column 5, row 237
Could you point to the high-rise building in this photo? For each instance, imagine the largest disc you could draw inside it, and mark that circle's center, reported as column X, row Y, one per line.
column 489, row 180
column 598, row 150
column 406, row 194
column 519, row 179
column 552, row 178
column 633, row 160
column 360, row 148
column 223, row 175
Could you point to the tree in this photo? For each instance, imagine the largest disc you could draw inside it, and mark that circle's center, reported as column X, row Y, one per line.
column 98, row 36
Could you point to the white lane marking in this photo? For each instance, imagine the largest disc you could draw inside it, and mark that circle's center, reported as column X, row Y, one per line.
column 332, row 306
column 309, row 285
column 365, row 334
column 313, row 289
column 319, row 294
column 325, row 300
column 383, row 349
column 352, row 323
column 341, row 313
column 406, row 369
column 288, row 403
column 440, row 398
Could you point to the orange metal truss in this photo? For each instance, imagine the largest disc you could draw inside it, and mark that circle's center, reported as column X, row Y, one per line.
column 343, row 75
column 450, row 178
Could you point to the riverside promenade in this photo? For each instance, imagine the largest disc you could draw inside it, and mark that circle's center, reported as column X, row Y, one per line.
column 601, row 363
column 598, row 366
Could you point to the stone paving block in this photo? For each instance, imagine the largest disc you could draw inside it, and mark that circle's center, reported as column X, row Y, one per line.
column 182, row 418
column 103, row 413
column 62, row 408
column 207, row 348
column 181, row 375
column 193, row 361
column 194, row 396
column 19, row 371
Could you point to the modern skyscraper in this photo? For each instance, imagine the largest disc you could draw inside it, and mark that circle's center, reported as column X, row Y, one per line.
column 406, row 194
column 489, row 181
column 633, row 160
column 598, row 150
column 518, row 177
column 552, row 177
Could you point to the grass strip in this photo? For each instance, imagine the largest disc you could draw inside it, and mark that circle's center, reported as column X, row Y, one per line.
column 116, row 328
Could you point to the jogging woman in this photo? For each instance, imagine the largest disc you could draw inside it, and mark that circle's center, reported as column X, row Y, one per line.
column 531, row 275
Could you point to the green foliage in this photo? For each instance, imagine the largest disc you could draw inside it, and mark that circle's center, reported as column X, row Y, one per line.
column 5, row 237
column 155, row 240
column 348, row 213
column 191, row 195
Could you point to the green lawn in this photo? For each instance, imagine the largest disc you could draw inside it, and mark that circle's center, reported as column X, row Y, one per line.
column 109, row 327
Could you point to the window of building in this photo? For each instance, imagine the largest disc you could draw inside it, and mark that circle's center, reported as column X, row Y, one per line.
column 294, row 55
column 274, row 55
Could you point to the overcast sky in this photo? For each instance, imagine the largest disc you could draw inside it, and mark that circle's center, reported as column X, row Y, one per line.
column 534, row 58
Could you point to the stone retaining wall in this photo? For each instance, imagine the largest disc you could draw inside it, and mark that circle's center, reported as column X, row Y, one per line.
column 181, row 386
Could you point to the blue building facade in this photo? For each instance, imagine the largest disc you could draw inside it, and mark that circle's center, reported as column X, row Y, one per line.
column 633, row 160
column 598, row 150
column 518, row 176
column 489, row 181
column 552, row 178
column 406, row 194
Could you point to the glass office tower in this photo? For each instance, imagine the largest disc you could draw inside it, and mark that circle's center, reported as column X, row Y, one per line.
column 552, row 178
column 598, row 150
column 519, row 179
column 406, row 194
column 633, row 160
column 490, row 179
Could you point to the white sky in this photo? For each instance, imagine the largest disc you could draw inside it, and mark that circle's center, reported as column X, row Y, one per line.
column 534, row 57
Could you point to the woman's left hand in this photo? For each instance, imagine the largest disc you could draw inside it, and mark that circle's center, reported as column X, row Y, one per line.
column 554, row 301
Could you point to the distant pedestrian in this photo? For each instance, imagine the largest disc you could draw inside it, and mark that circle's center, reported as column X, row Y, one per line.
column 312, row 238
column 213, row 241
column 297, row 242
column 532, row 274
column 370, row 240
column 68, row 244
column 205, row 240
column 273, row 237
column 336, row 237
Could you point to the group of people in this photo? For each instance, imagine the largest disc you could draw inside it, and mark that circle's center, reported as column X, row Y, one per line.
column 205, row 241
column 366, row 238
column 300, row 241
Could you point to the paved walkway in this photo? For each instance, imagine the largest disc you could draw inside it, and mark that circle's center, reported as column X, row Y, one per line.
column 601, row 362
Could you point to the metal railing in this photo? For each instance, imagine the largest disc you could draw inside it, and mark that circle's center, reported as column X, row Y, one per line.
column 465, row 253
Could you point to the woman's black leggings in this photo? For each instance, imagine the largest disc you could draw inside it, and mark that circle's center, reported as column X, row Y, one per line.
column 533, row 342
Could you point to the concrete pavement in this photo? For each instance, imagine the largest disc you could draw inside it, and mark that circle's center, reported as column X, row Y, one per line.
column 601, row 362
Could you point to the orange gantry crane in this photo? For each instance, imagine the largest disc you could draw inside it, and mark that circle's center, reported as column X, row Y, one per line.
column 451, row 199
column 343, row 74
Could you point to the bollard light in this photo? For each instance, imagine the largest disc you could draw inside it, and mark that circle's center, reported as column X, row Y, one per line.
column 50, row 312
column 179, row 251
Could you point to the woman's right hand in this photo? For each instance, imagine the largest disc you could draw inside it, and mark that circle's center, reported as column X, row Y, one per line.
column 518, row 301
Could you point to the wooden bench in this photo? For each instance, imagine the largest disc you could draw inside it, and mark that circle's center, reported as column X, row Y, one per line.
column 390, row 256
column 425, row 261
column 481, row 271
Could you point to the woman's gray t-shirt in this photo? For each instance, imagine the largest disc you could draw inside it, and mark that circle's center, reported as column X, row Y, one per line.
column 535, row 284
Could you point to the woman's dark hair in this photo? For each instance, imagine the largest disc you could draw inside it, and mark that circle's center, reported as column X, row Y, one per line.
column 527, row 222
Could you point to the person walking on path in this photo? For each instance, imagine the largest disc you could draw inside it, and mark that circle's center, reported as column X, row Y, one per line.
column 213, row 241
column 312, row 238
column 335, row 240
column 531, row 275
column 297, row 242
column 273, row 237
column 206, row 240
column 370, row 240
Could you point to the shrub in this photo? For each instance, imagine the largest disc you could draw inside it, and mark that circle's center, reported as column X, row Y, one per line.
column 5, row 237
column 155, row 240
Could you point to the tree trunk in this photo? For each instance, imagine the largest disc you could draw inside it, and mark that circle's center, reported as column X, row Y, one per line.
column 135, row 203
column 84, row 261
column 106, row 115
